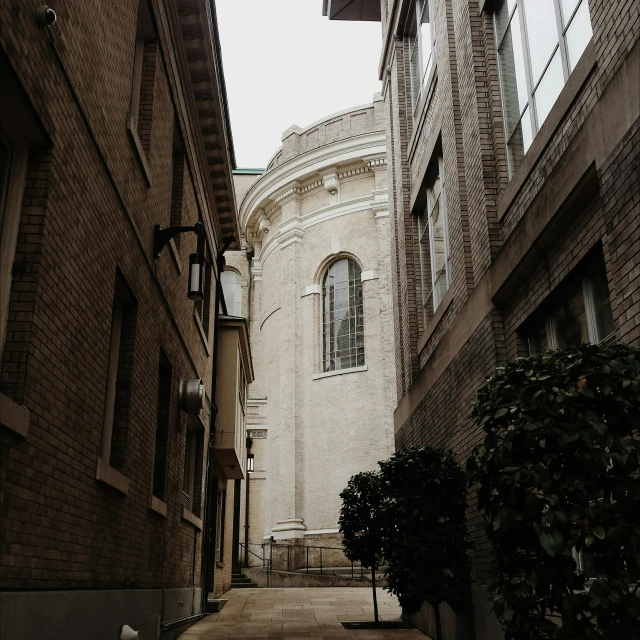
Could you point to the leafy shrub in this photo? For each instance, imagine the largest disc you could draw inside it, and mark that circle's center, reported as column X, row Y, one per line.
column 559, row 475
column 426, row 544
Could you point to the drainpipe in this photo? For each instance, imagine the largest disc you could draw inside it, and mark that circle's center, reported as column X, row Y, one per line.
column 208, row 539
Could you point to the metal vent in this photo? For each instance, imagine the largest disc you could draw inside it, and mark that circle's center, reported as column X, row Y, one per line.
column 185, row 500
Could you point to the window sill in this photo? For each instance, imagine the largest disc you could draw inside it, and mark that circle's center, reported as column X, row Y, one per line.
column 142, row 157
column 435, row 320
column 198, row 322
column 339, row 372
column 14, row 416
column 219, row 564
column 106, row 474
column 158, row 506
column 557, row 114
column 187, row 516
column 176, row 255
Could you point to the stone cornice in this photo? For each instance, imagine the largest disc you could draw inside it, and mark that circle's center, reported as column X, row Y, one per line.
column 276, row 182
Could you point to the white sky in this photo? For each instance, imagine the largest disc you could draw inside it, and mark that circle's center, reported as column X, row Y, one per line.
column 285, row 63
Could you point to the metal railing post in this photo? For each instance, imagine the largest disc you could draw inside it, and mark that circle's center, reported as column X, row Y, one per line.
column 288, row 558
column 320, row 560
column 307, row 560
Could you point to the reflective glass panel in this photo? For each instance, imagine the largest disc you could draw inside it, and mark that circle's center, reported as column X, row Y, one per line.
column 549, row 88
column 542, row 34
column 502, row 18
column 602, row 306
column 520, row 141
column 512, row 72
column 426, row 41
column 232, row 291
column 571, row 321
column 578, row 34
column 568, row 7
column 343, row 327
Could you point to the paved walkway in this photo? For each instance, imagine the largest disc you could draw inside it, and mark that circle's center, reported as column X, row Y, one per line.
column 291, row 614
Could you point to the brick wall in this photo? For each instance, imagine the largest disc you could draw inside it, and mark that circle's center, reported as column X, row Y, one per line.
column 511, row 242
column 87, row 211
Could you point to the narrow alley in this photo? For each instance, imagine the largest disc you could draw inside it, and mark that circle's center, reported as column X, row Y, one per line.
column 270, row 614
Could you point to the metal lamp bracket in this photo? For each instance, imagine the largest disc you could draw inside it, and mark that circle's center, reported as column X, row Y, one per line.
column 162, row 236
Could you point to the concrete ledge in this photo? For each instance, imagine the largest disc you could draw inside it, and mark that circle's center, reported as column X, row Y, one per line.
column 339, row 372
column 158, row 506
column 372, row 274
column 312, row 289
column 14, row 416
column 445, row 303
column 191, row 519
column 296, row 580
column 112, row 477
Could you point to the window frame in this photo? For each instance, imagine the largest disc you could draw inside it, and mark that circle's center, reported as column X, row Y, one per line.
column 327, row 323
column 238, row 284
column 415, row 42
column 562, row 26
column 429, row 279
column 586, row 285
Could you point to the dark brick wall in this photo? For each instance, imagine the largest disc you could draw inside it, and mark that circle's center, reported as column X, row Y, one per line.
column 489, row 219
column 88, row 212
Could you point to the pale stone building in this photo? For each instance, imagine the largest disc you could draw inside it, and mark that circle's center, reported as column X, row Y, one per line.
column 318, row 299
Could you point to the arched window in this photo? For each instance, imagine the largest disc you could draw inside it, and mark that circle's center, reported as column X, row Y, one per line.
column 342, row 321
column 232, row 290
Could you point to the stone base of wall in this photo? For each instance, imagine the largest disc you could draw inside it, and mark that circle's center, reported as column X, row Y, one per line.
column 324, row 549
column 456, row 626
column 40, row 615
column 301, row 580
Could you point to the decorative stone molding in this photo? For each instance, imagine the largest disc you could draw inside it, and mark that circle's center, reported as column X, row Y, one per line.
column 287, row 195
column 290, row 231
column 375, row 162
column 369, row 275
column 312, row 289
column 289, row 528
column 264, row 226
column 331, row 183
column 257, row 434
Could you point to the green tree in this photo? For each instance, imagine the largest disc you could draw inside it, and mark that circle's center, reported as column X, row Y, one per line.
column 426, row 541
column 361, row 524
column 558, row 476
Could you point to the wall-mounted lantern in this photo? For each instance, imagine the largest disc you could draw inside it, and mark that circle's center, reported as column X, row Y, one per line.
column 196, row 277
column 250, row 462
column 161, row 237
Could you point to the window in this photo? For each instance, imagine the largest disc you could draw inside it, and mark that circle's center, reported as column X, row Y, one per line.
column 162, row 427
column 434, row 243
column 421, row 47
column 581, row 313
column 539, row 43
column 13, row 173
column 343, row 327
column 192, row 482
column 177, row 183
column 144, row 71
column 220, row 518
column 232, row 291
column 119, row 376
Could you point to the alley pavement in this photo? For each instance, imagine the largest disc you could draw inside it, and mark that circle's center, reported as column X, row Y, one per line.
column 291, row 614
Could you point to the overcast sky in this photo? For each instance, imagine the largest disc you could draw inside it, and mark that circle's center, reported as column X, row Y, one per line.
column 285, row 64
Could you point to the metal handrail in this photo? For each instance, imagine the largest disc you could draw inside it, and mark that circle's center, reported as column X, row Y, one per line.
column 242, row 546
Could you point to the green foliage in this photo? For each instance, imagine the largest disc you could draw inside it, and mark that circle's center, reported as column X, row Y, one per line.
column 426, row 541
column 559, row 469
column 361, row 519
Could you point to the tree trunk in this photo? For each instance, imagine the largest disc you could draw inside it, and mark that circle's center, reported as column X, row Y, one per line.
column 375, row 597
column 436, row 609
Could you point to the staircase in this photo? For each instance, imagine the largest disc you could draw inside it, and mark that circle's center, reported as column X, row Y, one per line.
column 240, row 581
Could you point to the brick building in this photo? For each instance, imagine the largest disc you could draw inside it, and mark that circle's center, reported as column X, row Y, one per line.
column 113, row 120
column 514, row 179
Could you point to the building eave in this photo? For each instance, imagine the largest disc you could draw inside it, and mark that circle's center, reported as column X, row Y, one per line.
column 356, row 10
column 199, row 30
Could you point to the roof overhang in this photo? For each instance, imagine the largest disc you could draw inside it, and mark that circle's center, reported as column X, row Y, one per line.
column 357, row 10
column 201, row 41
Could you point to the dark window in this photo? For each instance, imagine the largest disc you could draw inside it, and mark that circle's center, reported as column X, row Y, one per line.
column 120, row 375
column 177, row 183
column 192, row 483
column 162, row 427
